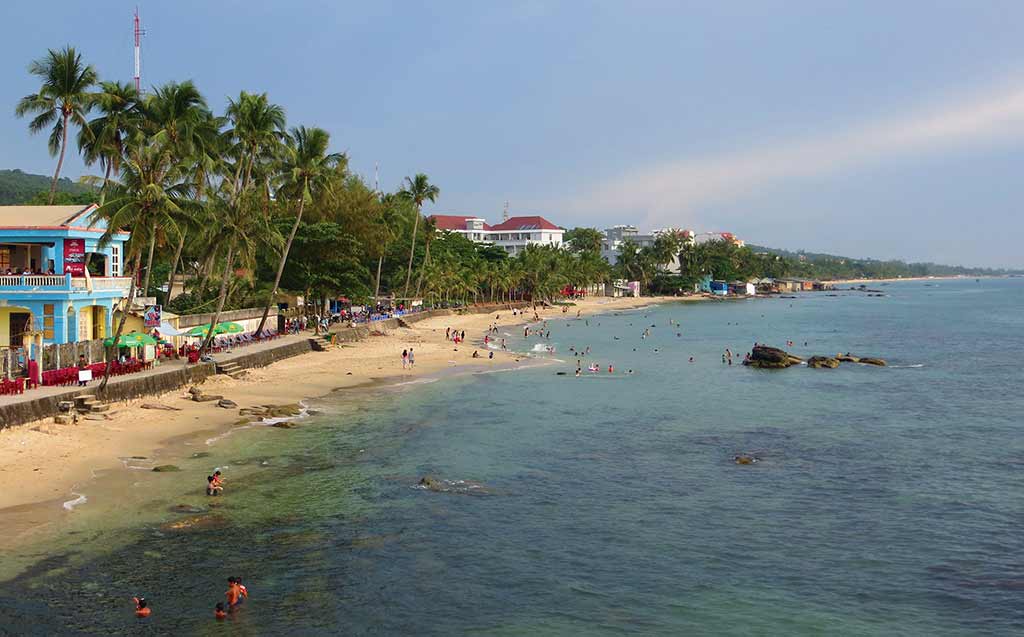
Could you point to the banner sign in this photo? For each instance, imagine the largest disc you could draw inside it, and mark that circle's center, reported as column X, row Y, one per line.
column 74, row 257
column 151, row 317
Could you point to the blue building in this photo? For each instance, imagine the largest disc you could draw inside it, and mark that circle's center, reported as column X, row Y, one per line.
column 56, row 281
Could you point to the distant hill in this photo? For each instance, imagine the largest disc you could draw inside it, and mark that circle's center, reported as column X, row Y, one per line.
column 829, row 266
column 19, row 187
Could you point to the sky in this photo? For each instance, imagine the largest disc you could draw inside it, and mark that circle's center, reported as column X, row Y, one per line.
column 865, row 128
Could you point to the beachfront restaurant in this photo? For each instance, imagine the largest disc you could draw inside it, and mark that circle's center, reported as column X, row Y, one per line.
column 58, row 284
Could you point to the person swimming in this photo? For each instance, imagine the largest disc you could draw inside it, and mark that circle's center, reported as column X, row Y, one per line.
column 232, row 594
column 141, row 607
column 242, row 590
column 218, row 612
column 214, row 486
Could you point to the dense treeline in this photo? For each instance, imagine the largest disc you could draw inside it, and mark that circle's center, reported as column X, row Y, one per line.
column 235, row 209
column 826, row 266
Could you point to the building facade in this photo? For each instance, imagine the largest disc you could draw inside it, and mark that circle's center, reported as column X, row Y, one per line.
column 512, row 234
column 56, row 279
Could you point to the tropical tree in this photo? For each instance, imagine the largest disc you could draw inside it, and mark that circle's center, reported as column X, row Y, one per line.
column 103, row 138
column 62, row 100
column 418, row 190
column 305, row 168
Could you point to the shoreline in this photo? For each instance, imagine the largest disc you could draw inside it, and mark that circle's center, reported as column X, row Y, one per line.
column 45, row 477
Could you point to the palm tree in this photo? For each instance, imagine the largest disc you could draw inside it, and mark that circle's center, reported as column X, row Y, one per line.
column 429, row 232
column 147, row 196
column 306, row 167
column 417, row 189
column 103, row 139
column 62, row 99
column 258, row 128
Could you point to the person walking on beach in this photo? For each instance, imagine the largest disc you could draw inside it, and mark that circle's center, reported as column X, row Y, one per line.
column 412, row 359
column 405, row 359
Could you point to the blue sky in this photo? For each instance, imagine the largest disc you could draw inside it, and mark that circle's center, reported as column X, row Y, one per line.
column 864, row 128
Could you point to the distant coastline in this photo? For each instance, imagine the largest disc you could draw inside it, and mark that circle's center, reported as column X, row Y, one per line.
column 951, row 277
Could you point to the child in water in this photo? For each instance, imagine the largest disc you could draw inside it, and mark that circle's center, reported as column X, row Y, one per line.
column 141, row 608
column 213, row 484
column 218, row 612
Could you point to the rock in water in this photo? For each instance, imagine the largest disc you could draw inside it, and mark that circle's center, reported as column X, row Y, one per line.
column 847, row 358
column 818, row 362
column 766, row 357
column 284, row 424
column 164, row 468
column 873, row 361
column 226, row 403
column 431, row 483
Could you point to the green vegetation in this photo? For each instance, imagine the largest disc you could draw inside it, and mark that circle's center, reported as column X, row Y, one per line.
column 236, row 210
column 17, row 187
column 811, row 265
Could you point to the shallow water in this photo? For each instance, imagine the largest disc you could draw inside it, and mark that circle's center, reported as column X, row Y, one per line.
column 887, row 500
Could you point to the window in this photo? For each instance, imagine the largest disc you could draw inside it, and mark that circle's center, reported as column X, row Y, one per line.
column 48, row 321
column 5, row 259
column 115, row 260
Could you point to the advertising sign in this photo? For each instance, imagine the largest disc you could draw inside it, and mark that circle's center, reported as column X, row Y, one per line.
column 151, row 317
column 74, row 257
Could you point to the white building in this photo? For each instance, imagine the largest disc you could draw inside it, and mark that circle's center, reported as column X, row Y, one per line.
column 513, row 234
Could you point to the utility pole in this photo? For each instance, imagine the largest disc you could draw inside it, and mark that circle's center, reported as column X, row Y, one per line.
column 138, row 59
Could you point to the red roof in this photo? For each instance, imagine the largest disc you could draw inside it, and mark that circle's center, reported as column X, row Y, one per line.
column 453, row 222
column 526, row 223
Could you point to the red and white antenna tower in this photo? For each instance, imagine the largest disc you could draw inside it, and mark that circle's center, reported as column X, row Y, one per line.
column 138, row 63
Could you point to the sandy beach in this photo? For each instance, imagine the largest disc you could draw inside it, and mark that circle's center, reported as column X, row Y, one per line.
column 45, row 468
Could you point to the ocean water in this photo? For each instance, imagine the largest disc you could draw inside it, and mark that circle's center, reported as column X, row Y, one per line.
column 887, row 501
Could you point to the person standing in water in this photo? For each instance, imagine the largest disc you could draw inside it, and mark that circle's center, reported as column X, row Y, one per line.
column 141, row 607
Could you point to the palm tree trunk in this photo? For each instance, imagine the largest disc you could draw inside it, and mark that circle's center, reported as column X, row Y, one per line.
column 60, row 161
column 376, row 287
column 284, row 256
column 426, row 261
column 149, row 261
column 220, row 300
column 174, row 267
column 412, row 250
column 120, row 325
column 106, row 180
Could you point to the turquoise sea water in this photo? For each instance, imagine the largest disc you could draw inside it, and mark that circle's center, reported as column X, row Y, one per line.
column 888, row 500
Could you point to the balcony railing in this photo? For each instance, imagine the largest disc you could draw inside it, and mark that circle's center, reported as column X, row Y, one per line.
column 61, row 283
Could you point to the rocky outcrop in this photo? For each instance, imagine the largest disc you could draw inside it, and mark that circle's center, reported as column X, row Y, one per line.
column 159, row 406
column 164, row 468
column 866, row 360
column 765, row 357
column 226, row 403
column 745, row 458
column 817, row 362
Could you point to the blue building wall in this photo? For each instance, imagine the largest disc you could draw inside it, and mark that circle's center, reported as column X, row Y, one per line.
column 63, row 292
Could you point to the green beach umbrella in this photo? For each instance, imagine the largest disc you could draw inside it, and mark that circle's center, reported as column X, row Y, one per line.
column 200, row 330
column 229, row 328
column 131, row 340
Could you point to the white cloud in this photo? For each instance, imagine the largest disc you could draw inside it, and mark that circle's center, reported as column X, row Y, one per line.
column 670, row 192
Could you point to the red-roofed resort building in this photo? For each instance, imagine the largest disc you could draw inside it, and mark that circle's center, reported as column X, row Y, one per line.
column 512, row 234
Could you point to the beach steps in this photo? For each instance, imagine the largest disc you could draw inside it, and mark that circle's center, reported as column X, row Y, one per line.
column 87, row 404
column 232, row 370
